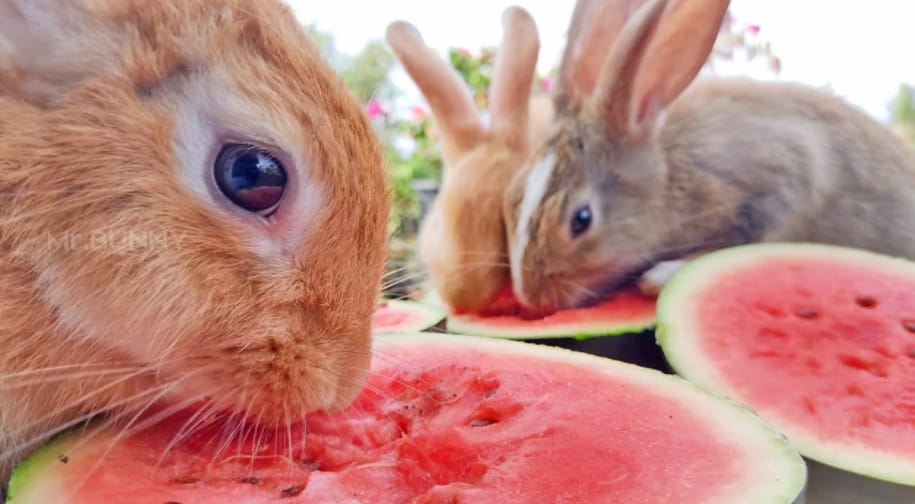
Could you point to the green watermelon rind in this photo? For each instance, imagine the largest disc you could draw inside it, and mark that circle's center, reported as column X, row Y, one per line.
column 31, row 468
column 477, row 326
column 433, row 298
column 674, row 337
column 428, row 316
column 784, row 465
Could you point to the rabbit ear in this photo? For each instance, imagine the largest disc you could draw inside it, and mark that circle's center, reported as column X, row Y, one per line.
column 513, row 76
column 448, row 97
column 52, row 45
column 660, row 52
column 593, row 30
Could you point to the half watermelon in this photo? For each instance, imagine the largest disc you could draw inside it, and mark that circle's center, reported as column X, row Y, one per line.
column 402, row 316
column 455, row 419
column 820, row 341
column 627, row 312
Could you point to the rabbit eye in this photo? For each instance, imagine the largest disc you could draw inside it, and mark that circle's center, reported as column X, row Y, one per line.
column 250, row 177
column 581, row 220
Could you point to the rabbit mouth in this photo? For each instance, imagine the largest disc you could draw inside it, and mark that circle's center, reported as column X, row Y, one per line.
column 607, row 286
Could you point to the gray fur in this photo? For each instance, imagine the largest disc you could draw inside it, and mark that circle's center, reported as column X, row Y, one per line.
column 728, row 162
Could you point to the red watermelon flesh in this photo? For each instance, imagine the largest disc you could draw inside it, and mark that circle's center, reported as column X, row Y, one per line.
column 626, row 312
column 503, row 304
column 818, row 340
column 402, row 316
column 456, row 419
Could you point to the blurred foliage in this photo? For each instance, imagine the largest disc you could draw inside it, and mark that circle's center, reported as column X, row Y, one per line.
column 476, row 70
column 902, row 113
column 419, row 160
column 367, row 74
column 738, row 40
column 904, row 104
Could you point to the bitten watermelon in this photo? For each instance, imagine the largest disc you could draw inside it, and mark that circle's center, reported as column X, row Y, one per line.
column 402, row 316
column 627, row 312
column 819, row 340
column 459, row 419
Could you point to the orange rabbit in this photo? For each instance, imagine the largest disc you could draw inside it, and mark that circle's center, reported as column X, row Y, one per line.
column 462, row 241
column 194, row 213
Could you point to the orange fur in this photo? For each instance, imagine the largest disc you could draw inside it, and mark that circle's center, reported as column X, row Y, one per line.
column 90, row 148
column 462, row 241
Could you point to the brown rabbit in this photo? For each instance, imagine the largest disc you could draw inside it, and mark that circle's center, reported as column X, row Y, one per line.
column 462, row 240
column 645, row 165
column 194, row 214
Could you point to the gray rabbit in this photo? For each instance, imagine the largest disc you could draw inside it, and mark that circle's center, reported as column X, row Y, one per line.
column 647, row 165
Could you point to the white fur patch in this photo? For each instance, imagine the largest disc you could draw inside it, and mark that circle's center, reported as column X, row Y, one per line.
column 534, row 191
column 660, row 274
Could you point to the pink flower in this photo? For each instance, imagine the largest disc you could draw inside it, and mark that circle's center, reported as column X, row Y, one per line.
column 753, row 29
column 417, row 113
column 464, row 52
column 546, row 84
column 374, row 109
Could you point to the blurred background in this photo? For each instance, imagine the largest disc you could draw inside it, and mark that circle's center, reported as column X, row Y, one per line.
column 858, row 50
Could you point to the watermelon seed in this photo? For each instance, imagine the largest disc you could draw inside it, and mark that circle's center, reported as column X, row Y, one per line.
column 172, row 502
column 251, row 480
column 866, row 301
column 807, row 313
column 482, row 422
column 854, row 389
column 909, row 325
column 768, row 332
column 186, row 480
column 885, row 351
column 853, row 361
column 877, row 371
column 811, row 406
column 772, row 311
column 489, row 393
column 292, row 491
column 63, row 458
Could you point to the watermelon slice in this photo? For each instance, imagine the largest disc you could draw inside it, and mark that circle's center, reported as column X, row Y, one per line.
column 431, row 297
column 626, row 313
column 459, row 419
column 819, row 340
column 401, row 316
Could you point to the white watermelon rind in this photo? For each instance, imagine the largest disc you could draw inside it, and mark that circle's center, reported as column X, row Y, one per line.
column 428, row 316
column 777, row 475
column 433, row 298
column 678, row 340
column 477, row 326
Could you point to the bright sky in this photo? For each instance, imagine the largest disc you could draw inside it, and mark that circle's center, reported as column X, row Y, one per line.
column 861, row 54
